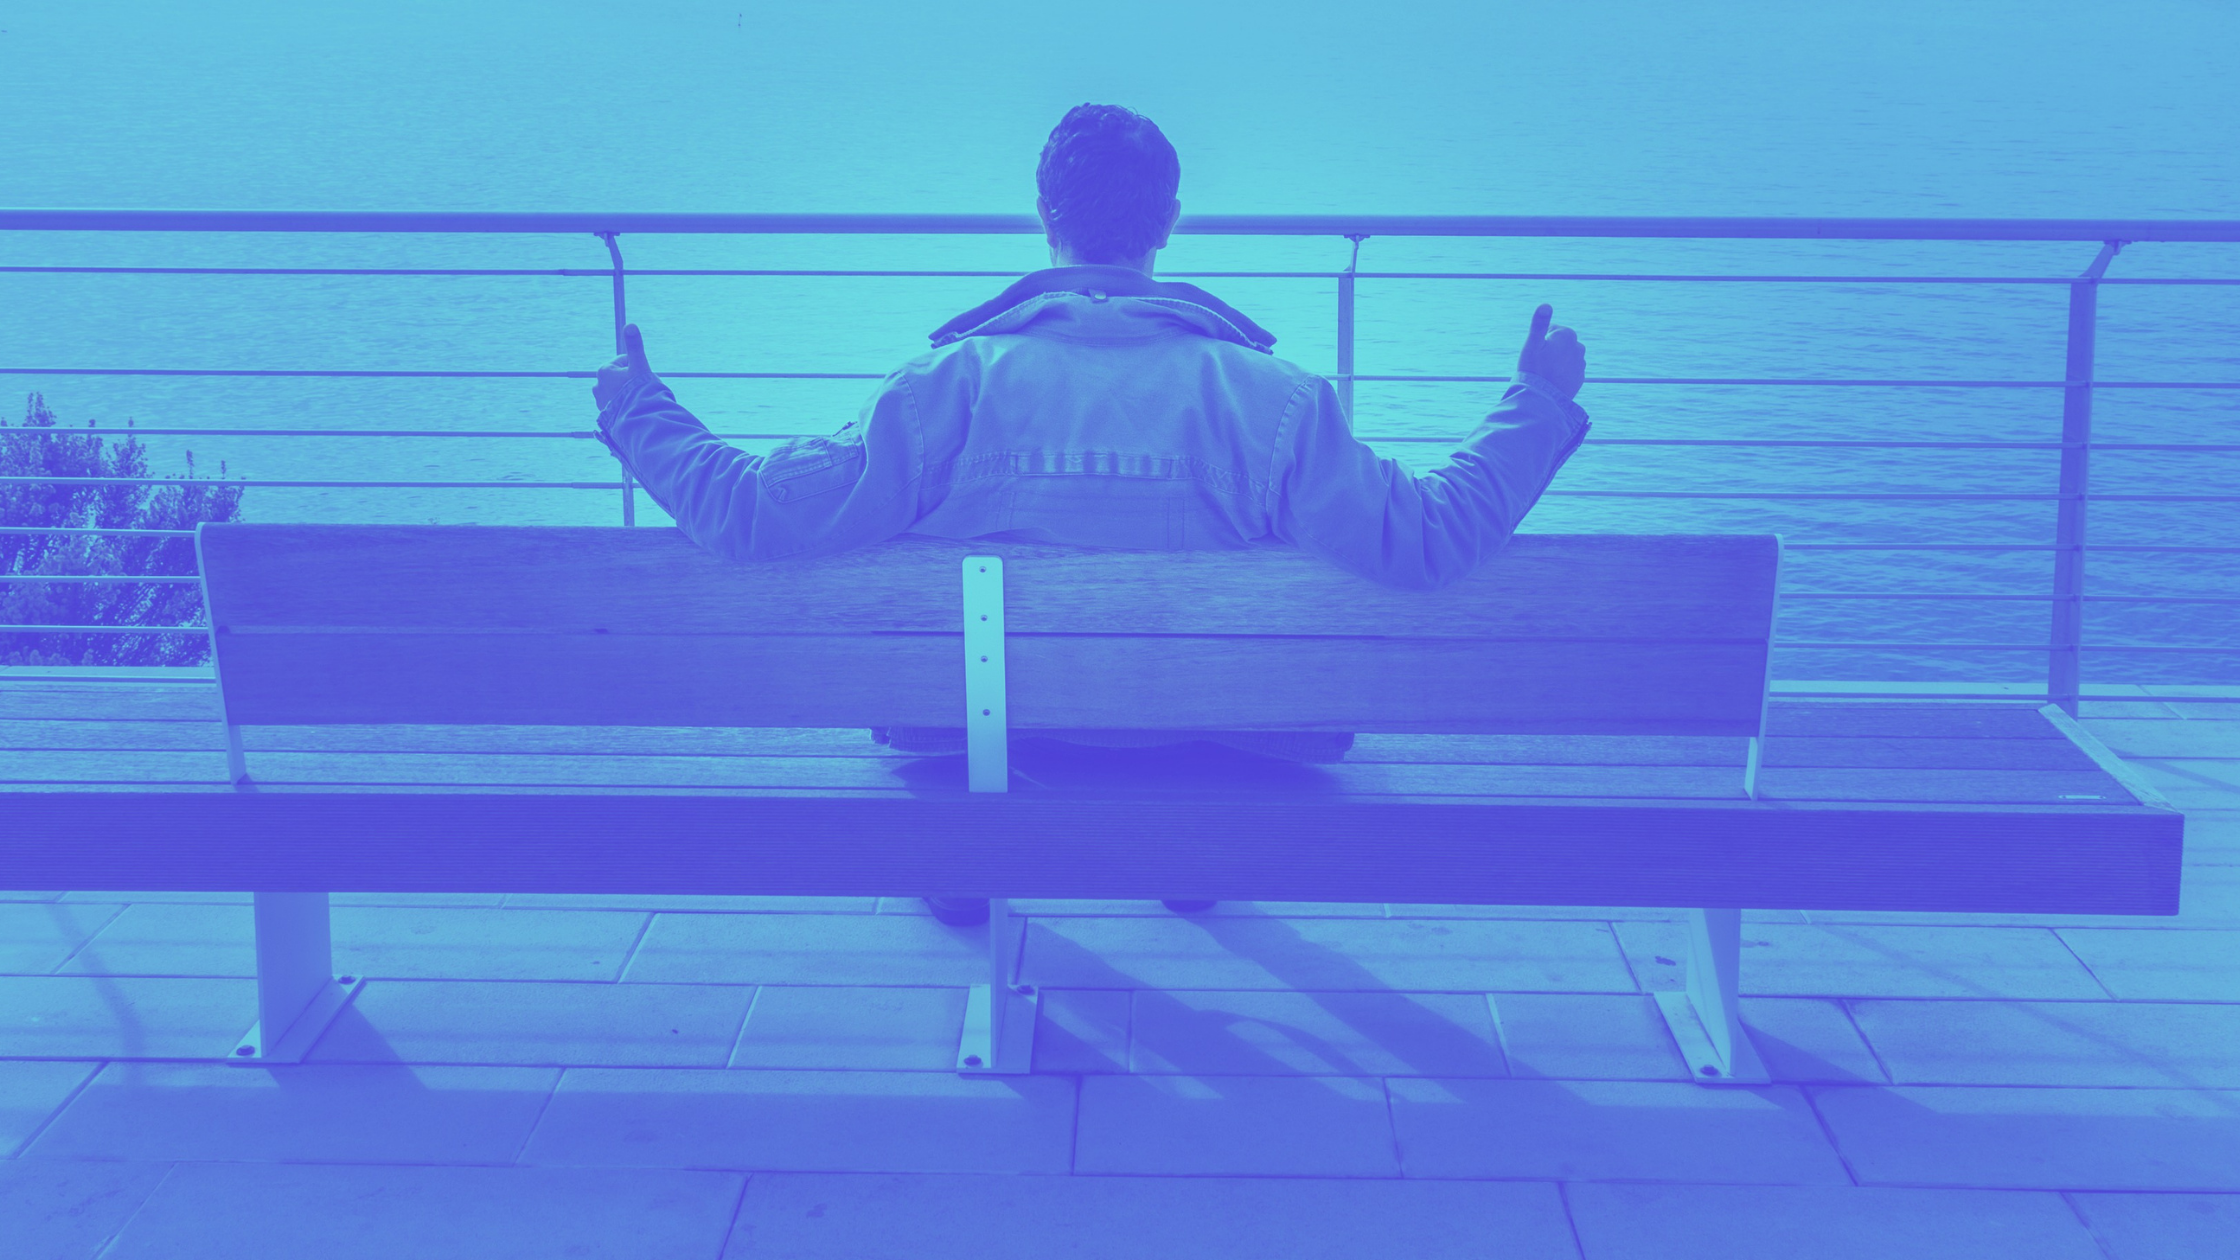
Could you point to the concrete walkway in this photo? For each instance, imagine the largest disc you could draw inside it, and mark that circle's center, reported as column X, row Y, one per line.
column 745, row 1077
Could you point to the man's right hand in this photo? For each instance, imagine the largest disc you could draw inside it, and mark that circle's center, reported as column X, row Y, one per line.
column 1553, row 354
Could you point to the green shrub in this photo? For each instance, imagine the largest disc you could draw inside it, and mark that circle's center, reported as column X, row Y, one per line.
column 41, row 448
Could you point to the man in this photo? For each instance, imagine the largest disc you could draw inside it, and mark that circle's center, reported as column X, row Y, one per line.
column 1089, row 404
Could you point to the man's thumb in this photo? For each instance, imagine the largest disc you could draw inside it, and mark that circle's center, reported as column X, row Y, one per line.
column 1540, row 319
column 634, row 348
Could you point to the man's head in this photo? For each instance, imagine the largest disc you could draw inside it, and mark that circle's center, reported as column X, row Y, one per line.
column 1107, row 182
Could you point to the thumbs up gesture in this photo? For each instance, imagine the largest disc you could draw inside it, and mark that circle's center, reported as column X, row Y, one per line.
column 1553, row 353
column 628, row 367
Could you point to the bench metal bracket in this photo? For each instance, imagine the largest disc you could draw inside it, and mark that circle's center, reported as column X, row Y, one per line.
column 1000, row 1016
column 298, row 994
column 1706, row 1017
column 987, row 719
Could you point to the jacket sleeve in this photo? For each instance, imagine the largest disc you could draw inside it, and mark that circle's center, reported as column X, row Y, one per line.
column 1334, row 496
column 811, row 496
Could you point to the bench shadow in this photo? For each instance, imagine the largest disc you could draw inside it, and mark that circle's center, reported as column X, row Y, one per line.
column 1410, row 1037
column 1425, row 1041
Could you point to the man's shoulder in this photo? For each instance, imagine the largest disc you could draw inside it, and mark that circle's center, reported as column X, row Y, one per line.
column 972, row 357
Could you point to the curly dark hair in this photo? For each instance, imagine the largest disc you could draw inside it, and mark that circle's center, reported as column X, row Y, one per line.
column 1108, row 179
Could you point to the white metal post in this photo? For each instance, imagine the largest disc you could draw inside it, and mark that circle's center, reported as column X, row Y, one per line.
column 2064, row 668
column 237, row 760
column 1715, row 975
column 621, row 319
column 1344, row 380
column 1706, row 1017
column 298, row 994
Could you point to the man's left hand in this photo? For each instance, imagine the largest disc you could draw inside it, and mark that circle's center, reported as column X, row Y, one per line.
column 627, row 368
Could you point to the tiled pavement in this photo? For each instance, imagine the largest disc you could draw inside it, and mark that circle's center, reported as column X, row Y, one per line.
column 707, row 1076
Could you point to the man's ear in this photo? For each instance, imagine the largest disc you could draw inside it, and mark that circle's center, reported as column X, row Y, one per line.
column 1172, row 219
column 1042, row 212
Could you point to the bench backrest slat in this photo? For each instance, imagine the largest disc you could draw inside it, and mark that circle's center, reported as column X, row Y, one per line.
column 541, row 625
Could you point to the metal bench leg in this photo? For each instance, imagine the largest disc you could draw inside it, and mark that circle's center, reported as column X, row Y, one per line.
column 1706, row 1017
column 999, row 1016
column 298, row 994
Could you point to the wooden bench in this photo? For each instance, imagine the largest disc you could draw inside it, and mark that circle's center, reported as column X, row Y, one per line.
column 1589, row 658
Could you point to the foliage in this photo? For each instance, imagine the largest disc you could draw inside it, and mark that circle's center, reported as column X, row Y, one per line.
column 42, row 448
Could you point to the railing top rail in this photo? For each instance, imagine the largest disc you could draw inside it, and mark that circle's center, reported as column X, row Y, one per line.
column 1798, row 228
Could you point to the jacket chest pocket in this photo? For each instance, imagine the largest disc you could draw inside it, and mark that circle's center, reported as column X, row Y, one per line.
column 810, row 466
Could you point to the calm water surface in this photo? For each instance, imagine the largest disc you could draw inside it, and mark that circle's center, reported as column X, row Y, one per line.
column 1909, row 108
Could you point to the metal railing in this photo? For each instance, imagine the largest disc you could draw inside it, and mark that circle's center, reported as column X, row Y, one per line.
column 2071, row 494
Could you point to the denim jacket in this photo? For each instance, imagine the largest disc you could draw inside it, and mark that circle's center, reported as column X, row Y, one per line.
column 1096, row 406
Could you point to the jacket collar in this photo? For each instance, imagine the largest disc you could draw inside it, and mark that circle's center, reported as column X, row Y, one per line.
column 1102, row 278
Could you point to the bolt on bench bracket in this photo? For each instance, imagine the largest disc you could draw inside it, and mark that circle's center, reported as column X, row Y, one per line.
column 999, row 1016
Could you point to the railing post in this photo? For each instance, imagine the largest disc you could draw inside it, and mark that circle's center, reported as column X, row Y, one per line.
column 2064, row 665
column 1345, row 328
column 621, row 317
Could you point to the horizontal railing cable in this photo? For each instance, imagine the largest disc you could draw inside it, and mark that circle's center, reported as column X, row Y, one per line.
column 143, row 579
column 253, row 482
column 587, row 434
column 79, row 529
column 1959, row 596
column 1789, row 546
column 1770, row 495
column 1808, row 382
column 499, row 374
column 604, row 273
column 2003, row 647
column 2021, row 598
column 1778, row 643
column 1668, row 227
column 110, row 629
column 1637, row 278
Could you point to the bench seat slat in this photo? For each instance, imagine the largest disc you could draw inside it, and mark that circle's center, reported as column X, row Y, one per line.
column 1934, row 752
column 1931, row 787
column 43, row 736
column 1222, row 777
column 618, row 741
column 33, row 737
column 1211, row 775
column 1055, row 681
column 104, row 702
column 657, row 581
column 13, row 796
column 1820, row 784
column 1997, row 860
column 1851, row 719
column 1848, row 718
